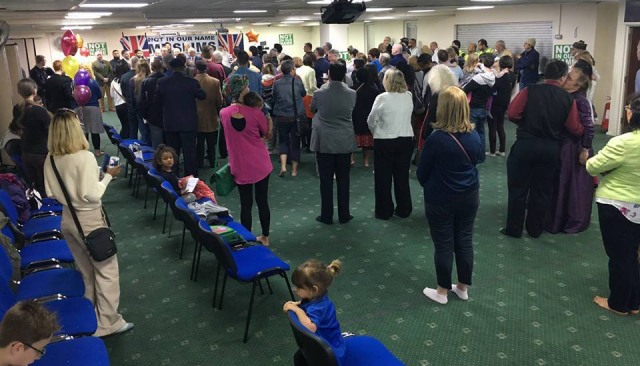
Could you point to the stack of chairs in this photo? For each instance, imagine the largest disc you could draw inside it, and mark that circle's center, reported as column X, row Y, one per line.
column 47, row 276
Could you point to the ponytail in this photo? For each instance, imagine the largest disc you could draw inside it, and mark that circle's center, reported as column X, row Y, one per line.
column 335, row 267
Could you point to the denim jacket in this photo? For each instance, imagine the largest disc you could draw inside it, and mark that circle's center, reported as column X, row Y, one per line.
column 282, row 101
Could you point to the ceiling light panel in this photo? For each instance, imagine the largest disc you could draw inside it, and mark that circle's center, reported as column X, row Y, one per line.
column 114, row 5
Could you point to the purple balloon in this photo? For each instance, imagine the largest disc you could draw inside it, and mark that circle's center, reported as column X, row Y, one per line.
column 82, row 94
column 82, row 77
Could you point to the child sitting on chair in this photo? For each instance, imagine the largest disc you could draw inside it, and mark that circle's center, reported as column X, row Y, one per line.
column 164, row 160
column 315, row 311
column 25, row 332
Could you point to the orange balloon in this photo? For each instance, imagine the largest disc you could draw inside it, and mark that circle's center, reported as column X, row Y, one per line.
column 80, row 41
column 253, row 36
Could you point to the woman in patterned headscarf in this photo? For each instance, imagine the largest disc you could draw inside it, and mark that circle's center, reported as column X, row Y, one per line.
column 245, row 129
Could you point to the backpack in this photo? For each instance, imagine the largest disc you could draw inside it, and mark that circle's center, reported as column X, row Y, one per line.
column 16, row 189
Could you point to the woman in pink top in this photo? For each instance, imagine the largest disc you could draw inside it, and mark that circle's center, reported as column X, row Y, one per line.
column 245, row 129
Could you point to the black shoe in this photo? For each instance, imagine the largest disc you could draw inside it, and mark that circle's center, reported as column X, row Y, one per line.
column 504, row 231
column 380, row 217
column 402, row 214
column 346, row 219
column 324, row 221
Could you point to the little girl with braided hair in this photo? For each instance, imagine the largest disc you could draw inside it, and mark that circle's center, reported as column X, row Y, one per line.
column 315, row 310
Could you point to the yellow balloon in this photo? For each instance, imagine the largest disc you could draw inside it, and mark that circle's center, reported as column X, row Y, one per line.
column 70, row 66
column 80, row 41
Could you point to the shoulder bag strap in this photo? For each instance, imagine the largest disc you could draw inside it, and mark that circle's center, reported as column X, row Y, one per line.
column 461, row 147
column 66, row 197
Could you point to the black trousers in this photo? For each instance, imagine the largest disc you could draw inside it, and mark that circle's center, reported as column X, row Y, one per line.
column 210, row 139
column 621, row 239
column 123, row 116
column 34, row 167
column 328, row 166
column 185, row 142
column 222, row 146
column 496, row 125
column 451, row 228
column 262, row 201
column 95, row 139
column 391, row 163
column 531, row 171
column 289, row 139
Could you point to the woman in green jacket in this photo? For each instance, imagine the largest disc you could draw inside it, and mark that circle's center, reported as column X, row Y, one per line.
column 618, row 198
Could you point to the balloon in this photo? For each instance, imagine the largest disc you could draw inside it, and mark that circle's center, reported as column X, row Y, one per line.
column 82, row 77
column 84, row 51
column 253, row 36
column 80, row 41
column 82, row 94
column 70, row 66
column 69, row 43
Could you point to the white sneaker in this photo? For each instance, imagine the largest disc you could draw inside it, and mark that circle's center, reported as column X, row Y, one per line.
column 490, row 154
column 463, row 295
column 435, row 296
column 501, row 153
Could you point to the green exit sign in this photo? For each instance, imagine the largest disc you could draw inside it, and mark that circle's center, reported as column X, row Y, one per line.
column 286, row 39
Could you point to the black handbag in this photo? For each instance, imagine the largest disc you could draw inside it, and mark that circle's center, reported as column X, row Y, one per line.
column 100, row 242
column 304, row 127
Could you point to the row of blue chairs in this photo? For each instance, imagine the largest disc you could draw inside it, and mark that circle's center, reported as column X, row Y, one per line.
column 47, row 276
column 248, row 264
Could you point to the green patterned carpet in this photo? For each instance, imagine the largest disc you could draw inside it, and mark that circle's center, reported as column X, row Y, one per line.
column 530, row 303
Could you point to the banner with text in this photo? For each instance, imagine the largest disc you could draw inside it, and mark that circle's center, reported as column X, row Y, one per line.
column 563, row 52
column 197, row 41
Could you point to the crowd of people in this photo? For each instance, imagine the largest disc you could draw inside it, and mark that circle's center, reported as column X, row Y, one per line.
column 400, row 104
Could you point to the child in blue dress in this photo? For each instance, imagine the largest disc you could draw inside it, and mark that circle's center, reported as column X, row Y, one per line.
column 315, row 311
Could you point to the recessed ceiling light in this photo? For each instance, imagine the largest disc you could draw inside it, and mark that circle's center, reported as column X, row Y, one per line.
column 263, row 23
column 421, row 11
column 87, row 15
column 375, row 10
column 108, row 5
column 381, row 18
column 475, row 7
column 292, row 21
column 76, row 27
column 488, row 1
column 239, row 27
column 142, row 27
column 317, row 13
column 198, row 20
column 249, row 11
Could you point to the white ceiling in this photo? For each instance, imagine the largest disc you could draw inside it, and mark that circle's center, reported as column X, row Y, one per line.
column 49, row 15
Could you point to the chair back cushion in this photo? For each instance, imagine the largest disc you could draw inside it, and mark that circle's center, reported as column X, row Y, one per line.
column 316, row 350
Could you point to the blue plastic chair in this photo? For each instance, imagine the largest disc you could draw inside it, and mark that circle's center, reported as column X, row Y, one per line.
column 43, row 284
column 154, row 181
column 169, row 196
column 247, row 265
column 81, row 351
column 361, row 350
column 76, row 315
column 47, row 225
column 40, row 253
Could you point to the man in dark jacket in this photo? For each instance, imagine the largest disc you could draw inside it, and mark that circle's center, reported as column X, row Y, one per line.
column 150, row 111
column 40, row 74
column 176, row 96
column 321, row 66
column 128, row 94
column 528, row 64
column 543, row 114
column 59, row 90
column 116, row 60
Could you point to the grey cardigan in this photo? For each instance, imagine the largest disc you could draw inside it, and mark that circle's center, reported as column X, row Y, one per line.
column 332, row 127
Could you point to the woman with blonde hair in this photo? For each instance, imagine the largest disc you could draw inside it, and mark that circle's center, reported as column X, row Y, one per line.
column 447, row 172
column 390, row 124
column 439, row 78
column 90, row 114
column 586, row 56
column 80, row 175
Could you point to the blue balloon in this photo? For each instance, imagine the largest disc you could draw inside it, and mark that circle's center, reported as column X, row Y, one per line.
column 82, row 77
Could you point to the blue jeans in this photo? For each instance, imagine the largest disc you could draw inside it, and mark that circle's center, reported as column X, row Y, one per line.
column 479, row 117
column 451, row 228
column 157, row 135
column 145, row 132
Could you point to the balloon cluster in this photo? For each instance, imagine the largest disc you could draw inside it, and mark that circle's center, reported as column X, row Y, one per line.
column 70, row 44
